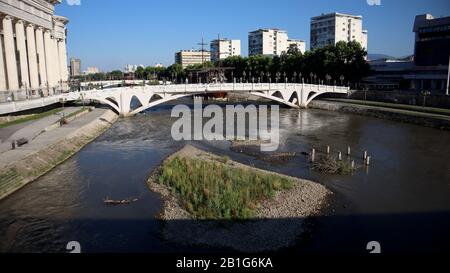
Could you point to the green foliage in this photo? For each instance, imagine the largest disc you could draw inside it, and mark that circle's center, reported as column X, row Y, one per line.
column 329, row 64
column 213, row 190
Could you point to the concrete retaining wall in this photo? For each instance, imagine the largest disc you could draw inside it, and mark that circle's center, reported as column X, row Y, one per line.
column 18, row 174
column 423, row 119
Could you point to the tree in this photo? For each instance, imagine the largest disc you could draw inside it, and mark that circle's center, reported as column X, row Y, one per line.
column 140, row 73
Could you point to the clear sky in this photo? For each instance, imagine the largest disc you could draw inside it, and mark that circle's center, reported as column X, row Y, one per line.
column 109, row 34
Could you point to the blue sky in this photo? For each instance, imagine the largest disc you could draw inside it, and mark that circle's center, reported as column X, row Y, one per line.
column 111, row 33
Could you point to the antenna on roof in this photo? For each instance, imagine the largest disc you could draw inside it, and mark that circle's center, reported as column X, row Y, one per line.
column 203, row 44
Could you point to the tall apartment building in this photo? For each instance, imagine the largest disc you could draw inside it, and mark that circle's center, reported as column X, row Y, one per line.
column 224, row 48
column 33, row 53
column 329, row 29
column 271, row 42
column 75, row 67
column 192, row 57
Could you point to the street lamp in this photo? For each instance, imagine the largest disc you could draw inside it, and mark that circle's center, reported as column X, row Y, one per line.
column 328, row 77
column 311, row 75
column 425, row 94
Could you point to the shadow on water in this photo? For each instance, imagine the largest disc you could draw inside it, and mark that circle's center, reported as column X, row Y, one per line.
column 427, row 233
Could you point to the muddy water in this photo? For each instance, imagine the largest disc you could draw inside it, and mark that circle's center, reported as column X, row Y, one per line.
column 402, row 200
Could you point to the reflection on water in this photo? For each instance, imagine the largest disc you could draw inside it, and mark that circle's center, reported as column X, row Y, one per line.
column 403, row 196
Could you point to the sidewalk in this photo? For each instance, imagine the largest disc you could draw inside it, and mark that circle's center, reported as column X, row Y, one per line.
column 45, row 139
column 30, row 130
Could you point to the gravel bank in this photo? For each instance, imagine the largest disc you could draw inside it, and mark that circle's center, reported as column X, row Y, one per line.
column 278, row 222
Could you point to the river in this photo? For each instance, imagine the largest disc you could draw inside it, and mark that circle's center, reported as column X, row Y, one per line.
column 402, row 200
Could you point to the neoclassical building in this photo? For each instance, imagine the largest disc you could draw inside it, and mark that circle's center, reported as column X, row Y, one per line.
column 33, row 54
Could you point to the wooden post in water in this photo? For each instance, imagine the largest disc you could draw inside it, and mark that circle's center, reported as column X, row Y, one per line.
column 313, row 155
column 353, row 164
column 340, row 156
column 349, row 151
column 365, row 155
column 368, row 161
column 328, row 150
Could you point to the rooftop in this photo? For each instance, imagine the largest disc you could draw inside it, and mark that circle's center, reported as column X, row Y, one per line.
column 335, row 14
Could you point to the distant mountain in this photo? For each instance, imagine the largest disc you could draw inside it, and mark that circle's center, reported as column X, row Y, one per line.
column 373, row 57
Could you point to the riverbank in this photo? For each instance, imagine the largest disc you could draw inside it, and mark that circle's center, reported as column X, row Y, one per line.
column 25, row 164
column 278, row 222
column 437, row 121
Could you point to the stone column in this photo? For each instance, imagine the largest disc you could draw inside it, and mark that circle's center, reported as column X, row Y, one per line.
column 10, row 54
column 22, row 48
column 2, row 67
column 32, row 57
column 56, row 61
column 63, row 60
column 48, row 44
column 40, row 49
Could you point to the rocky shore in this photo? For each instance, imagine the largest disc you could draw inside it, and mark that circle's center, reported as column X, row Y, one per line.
column 278, row 223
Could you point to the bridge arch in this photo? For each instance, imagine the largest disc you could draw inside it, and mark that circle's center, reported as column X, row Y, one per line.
column 294, row 98
column 110, row 102
column 155, row 97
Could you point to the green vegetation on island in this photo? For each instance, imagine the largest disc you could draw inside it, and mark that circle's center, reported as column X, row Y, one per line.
column 214, row 190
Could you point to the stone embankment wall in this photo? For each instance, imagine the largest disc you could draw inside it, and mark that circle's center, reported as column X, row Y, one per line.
column 18, row 174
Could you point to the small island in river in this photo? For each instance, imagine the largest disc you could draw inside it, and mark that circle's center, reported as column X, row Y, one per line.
column 214, row 201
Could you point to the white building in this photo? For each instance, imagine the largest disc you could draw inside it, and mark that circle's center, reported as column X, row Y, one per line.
column 192, row 57
column 33, row 55
column 271, row 42
column 91, row 70
column 224, row 48
column 300, row 44
column 329, row 29
column 130, row 68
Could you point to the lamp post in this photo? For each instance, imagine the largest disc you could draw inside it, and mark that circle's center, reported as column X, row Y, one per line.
column 328, row 77
column 448, row 76
column 425, row 94
column 342, row 78
column 311, row 75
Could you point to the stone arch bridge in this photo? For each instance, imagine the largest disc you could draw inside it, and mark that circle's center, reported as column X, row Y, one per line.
column 120, row 99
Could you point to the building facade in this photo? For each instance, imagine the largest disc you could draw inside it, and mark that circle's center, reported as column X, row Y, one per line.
column 428, row 68
column 224, row 48
column 91, row 70
column 432, row 43
column 33, row 54
column 130, row 68
column 75, row 67
column 192, row 57
column 300, row 44
column 271, row 42
column 329, row 29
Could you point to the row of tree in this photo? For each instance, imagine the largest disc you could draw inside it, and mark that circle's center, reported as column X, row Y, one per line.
column 340, row 63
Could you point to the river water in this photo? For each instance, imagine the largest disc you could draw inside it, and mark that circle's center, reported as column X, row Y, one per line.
column 402, row 200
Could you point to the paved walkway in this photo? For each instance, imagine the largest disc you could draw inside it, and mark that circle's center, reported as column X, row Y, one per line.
column 48, row 138
column 30, row 130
